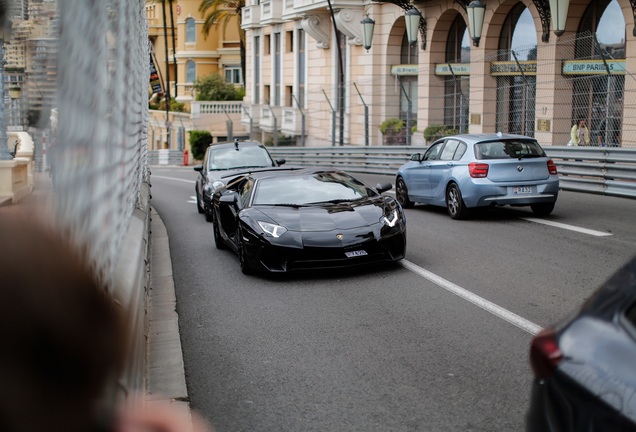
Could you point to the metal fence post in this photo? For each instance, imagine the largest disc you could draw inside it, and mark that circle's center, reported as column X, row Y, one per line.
column 333, row 120
column 251, row 121
column 302, row 120
column 229, row 124
column 366, row 117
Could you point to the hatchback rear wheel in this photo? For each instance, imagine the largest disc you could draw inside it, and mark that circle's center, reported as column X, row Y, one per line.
column 542, row 209
column 455, row 203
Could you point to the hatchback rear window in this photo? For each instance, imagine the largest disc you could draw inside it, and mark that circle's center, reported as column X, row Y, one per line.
column 509, row 149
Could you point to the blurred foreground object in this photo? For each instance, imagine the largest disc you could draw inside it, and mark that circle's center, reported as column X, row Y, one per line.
column 62, row 334
column 585, row 379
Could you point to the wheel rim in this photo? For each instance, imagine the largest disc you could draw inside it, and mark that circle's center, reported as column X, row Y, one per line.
column 453, row 200
column 401, row 191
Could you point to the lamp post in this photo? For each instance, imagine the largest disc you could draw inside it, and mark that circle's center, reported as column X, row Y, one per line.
column 5, row 36
column 476, row 11
column 559, row 14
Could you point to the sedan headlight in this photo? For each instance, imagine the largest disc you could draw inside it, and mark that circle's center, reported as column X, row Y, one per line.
column 217, row 185
column 391, row 219
column 272, row 229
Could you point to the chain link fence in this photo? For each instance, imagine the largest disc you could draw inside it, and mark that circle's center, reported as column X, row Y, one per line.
column 98, row 161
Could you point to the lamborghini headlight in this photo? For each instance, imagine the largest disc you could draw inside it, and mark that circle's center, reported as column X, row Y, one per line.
column 391, row 219
column 272, row 229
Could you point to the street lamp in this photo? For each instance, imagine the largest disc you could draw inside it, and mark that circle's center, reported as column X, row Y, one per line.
column 559, row 14
column 476, row 11
column 368, row 25
column 412, row 19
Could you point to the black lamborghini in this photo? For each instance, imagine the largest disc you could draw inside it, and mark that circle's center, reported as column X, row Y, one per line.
column 284, row 220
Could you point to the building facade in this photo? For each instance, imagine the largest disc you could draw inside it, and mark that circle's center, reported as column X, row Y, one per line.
column 321, row 86
column 190, row 56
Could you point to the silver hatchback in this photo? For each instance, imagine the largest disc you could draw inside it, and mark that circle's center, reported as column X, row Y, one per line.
column 463, row 172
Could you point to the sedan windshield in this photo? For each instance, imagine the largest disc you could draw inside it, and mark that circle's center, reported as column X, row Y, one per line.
column 244, row 157
column 328, row 187
column 513, row 149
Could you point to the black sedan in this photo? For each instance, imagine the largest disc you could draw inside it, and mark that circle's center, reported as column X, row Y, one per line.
column 224, row 160
column 585, row 367
column 284, row 220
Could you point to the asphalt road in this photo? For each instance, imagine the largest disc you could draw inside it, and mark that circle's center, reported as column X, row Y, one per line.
column 436, row 343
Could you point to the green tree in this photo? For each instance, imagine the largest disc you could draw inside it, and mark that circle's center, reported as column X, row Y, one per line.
column 199, row 142
column 222, row 12
column 213, row 87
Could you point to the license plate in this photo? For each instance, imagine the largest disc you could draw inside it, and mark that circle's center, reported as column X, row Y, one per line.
column 356, row 253
column 522, row 190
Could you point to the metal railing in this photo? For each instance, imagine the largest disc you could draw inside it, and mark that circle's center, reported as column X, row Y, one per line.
column 598, row 170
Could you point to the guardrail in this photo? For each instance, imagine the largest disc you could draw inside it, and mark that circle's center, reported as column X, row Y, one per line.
column 597, row 170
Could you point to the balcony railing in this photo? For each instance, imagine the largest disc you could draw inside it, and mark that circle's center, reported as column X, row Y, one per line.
column 253, row 113
column 215, row 107
column 291, row 122
column 251, row 17
column 270, row 117
column 271, row 12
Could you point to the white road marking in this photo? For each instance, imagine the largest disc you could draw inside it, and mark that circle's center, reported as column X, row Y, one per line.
column 171, row 178
column 569, row 227
column 498, row 311
column 193, row 200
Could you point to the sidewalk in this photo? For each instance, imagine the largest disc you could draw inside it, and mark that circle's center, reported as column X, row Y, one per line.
column 165, row 375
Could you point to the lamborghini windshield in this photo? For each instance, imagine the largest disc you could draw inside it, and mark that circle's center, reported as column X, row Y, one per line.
column 316, row 188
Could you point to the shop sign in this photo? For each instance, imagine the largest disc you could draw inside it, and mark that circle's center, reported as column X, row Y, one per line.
column 404, row 69
column 457, row 69
column 593, row 67
column 513, row 68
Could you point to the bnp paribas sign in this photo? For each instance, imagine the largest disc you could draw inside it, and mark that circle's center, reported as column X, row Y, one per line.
column 594, row 67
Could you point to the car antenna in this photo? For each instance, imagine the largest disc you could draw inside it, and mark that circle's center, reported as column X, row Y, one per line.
column 236, row 143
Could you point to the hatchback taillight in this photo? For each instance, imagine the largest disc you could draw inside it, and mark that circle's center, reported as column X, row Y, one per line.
column 545, row 354
column 478, row 170
column 552, row 167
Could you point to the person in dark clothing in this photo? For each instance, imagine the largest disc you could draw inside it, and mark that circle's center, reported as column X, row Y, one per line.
column 608, row 133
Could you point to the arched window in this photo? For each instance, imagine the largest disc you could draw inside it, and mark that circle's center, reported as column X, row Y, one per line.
column 408, row 83
column 516, row 90
column 190, row 30
column 456, row 86
column 601, row 40
column 191, row 71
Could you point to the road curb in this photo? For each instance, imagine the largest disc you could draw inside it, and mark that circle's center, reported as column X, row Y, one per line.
column 165, row 367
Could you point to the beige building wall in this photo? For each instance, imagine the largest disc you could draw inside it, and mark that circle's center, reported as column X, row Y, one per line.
column 369, row 77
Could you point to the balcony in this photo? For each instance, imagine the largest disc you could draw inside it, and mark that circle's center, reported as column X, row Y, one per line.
column 301, row 6
column 253, row 113
column 289, row 10
column 271, row 12
column 251, row 17
column 292, row 121
column 270, row 118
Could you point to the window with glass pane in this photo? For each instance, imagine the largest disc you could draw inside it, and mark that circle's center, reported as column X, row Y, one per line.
column 191, row 71
column 190, row 30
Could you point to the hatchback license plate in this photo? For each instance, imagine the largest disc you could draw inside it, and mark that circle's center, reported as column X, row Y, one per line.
column 355, row 253
column 522, row 190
